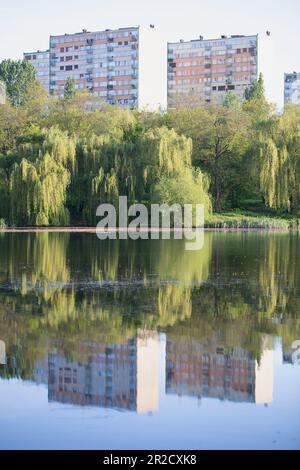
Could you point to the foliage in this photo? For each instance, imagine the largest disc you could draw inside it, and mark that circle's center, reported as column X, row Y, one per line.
column 280, row 162
column 18, row 76
column 256, row 90
column 70, row 88
column 39, row 180
column 186, row 187
column 224, row 153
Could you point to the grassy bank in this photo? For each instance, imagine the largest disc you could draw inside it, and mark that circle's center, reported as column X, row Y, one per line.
column 235, row 220
column 252, row 220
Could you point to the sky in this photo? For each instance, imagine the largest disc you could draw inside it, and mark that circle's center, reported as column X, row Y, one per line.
column 25, row 26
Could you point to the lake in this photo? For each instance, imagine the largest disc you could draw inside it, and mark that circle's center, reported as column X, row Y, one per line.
column 143, row 345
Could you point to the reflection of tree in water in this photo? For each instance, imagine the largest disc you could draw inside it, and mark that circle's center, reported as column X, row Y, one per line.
column 60, row 289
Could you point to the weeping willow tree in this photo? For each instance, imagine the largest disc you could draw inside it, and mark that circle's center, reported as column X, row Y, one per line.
column 38, row 192
column 95, row 179
column 274, row 175
column 280, row 163
column 39, row 180
column 163, row 152
column 107, row 167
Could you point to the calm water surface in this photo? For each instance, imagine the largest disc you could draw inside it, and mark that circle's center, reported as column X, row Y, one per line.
column 122, row 344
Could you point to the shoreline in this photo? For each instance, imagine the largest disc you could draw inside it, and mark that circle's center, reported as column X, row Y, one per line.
column 120, row 230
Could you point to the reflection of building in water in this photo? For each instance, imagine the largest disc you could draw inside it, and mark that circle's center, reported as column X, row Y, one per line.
column 292, row 355
column 2, row 353
column 41, row 372
column 121, row 375
column 196, row 370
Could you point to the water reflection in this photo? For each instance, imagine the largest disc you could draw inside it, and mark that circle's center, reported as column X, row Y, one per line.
column 84, row 317
column 122, row 376
column 212, row 371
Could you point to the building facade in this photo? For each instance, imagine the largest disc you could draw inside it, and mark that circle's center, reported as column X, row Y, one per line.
column 292, row 88
column 205, row 70
column 125, row 67
column 40, row 61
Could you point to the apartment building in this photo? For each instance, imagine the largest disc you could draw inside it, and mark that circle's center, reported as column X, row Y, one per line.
column 204, row 70
column 40, row 61
column 126, row 66
column 292, row 88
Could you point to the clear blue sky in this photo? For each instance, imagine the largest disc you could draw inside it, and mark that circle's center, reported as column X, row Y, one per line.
column 26, row 25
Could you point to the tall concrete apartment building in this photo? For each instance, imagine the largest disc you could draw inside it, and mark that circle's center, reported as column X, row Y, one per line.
column 204, row 70
column 292, row 88
column 40, row 61
column 125, row 66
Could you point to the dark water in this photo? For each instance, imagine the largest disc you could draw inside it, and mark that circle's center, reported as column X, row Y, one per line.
column 141, row 344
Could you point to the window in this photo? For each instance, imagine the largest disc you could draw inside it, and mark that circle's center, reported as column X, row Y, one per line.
column 76, row 48
column 62, row 59
column 221, row 88
column 125, row 43
column 67, row 49
column 75, row 67
column 61, row 67
column 34, row 57
column 28, row 57
column 69, row 67
column 69, row 57
column 245, row 49
column 120, row 43
column 62, row 49
column 75, row 56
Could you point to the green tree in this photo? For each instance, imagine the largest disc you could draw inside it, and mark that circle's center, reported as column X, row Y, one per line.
column 256, row 90
column 280, row 161
column 70, row 88
column 220, row 139
column 18, row 76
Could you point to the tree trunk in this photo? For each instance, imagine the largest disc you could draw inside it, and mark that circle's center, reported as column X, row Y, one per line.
column 218, row 193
